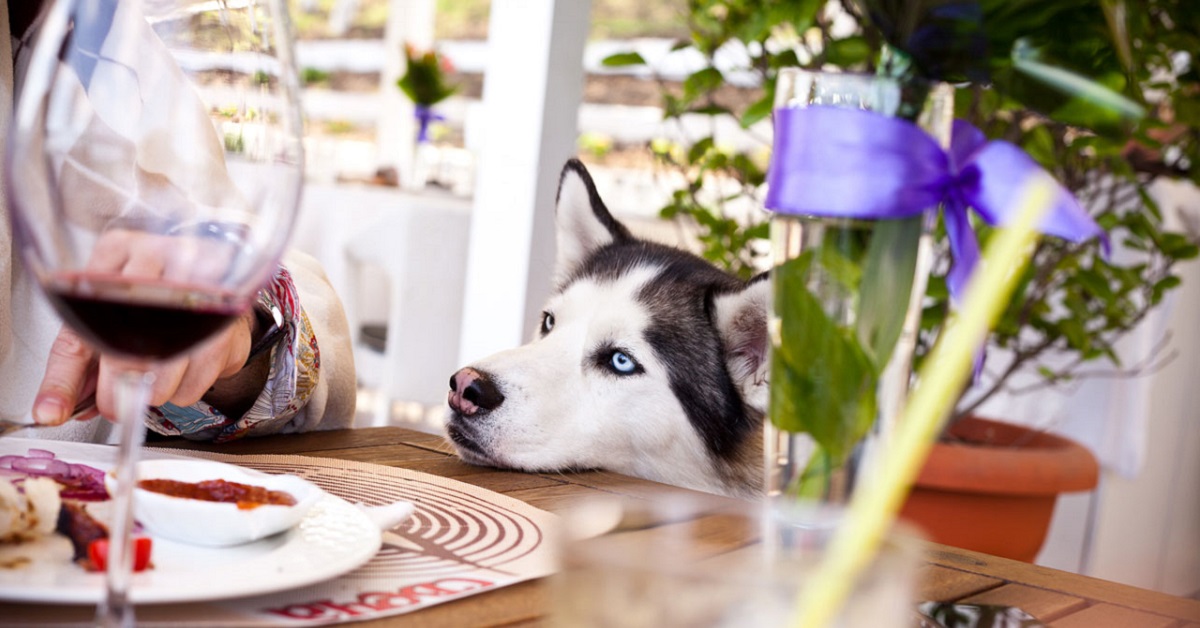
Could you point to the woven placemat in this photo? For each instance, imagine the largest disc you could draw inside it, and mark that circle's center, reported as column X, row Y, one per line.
column 461, row 540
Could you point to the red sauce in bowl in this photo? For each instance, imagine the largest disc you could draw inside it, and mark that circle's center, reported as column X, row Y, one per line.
column 245, row 496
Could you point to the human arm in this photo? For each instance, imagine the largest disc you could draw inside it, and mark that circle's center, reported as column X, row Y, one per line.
column 304, row 382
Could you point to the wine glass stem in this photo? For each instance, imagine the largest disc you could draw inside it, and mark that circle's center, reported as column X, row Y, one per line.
column 132, row 396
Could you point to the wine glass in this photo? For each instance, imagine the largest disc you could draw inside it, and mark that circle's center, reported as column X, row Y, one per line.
column 154, row 168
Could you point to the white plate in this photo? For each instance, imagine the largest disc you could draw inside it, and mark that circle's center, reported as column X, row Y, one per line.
column 334, row 537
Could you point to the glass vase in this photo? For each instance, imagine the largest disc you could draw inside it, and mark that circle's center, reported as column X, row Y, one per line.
column 846, row 307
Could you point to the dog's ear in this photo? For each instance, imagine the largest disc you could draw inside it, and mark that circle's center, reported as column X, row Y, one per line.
column 581, row 220
column 742, row 324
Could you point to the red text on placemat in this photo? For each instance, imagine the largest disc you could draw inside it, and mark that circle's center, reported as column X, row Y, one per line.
column 381, row 602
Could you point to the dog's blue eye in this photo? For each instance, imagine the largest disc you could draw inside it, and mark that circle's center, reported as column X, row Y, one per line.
column 622, row 363
column 547, row 322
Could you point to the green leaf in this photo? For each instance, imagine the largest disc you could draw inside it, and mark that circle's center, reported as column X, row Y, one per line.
column 1081, row 110
column 1114, row 14
column 841, row 267
column 1186, row 108
column 1039, row 143
column 1177, row 246
column 759, row 231
column 814, row 480
column 710, row 109
column 800, row 13
column 1137, row 244
column 785, row 59
column 760, row 110
column 848, row 52
column 1162, row 286
column 700, row 82
column 747, row 171
column 886, row 287
column 1077, row 336
column 937, row 289
column 822, row 383
column 622, row 59
column 933, row 317
column 673, row 107
column 1108, row 221
column 1072, row 84
column 1095, row 284
column 1149, row 203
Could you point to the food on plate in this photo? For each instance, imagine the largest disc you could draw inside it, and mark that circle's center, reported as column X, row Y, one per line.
column 77, row 481
column 97, row 554
column 89, row 540
column 29, row 511
column 246, row 496
column 76, row 524
column 44, row 518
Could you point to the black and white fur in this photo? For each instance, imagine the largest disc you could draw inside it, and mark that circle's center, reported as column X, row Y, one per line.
column 649, row 361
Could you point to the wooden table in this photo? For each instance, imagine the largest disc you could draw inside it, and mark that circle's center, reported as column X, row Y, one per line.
column 1060, row 599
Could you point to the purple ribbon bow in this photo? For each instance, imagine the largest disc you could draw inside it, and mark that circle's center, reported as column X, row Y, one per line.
column 424, row 115
column 852, row 163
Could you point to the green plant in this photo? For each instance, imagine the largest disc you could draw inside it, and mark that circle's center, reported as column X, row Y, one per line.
column 313, row 76
column 1096, row 92
column 1029, row 87
column 235, row 143
column 596, row 144
column 726, row 239
column 424, row 81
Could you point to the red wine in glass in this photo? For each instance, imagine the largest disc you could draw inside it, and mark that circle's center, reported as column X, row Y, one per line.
column 153, row 319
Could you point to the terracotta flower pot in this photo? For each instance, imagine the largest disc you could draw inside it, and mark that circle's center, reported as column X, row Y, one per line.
column 993, row 490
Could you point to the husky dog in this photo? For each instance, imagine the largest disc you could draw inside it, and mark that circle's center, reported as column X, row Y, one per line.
column 649, row 361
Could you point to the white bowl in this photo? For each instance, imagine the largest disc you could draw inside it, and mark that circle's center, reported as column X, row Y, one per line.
column 215, row 524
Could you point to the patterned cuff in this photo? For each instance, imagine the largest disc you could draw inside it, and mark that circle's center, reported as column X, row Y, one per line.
column 295, row 369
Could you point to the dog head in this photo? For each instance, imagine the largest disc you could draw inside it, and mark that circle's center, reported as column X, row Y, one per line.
column 648, row 361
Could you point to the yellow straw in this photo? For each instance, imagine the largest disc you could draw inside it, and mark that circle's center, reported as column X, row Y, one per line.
column 875, row 503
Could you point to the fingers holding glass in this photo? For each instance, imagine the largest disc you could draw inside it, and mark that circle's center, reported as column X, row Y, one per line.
column 141, row 283
column 185, row 380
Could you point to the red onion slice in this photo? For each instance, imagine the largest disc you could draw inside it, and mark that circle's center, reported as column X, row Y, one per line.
column 79, row 481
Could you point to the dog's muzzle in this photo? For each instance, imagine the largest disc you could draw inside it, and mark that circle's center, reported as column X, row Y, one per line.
column 473, row 392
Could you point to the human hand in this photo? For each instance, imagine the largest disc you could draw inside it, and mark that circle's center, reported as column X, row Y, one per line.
column 76, row 372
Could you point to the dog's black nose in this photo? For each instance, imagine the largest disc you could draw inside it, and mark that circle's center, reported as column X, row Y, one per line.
column 472, row 391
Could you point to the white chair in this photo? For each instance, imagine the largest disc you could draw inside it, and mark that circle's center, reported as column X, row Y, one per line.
column 421, row 248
